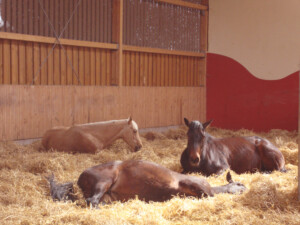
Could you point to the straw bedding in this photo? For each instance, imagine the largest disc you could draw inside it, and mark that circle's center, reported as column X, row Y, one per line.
column 25, row 196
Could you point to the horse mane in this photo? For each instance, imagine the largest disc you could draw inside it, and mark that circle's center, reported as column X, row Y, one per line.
column 109, row 122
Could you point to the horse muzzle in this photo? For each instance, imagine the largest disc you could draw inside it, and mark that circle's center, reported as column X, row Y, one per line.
column 194, row 161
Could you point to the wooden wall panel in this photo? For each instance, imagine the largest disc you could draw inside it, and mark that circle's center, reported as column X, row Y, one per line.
column 20, row 61
column 28, row 111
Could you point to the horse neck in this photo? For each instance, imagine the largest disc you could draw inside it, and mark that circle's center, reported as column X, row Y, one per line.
column 108, row 131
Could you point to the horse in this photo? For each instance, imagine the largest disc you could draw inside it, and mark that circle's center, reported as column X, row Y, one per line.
column 124, row 180
column 209, row 155
column 88, row 138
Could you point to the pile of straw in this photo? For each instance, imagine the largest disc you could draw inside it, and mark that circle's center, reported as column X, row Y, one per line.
column 25, row 196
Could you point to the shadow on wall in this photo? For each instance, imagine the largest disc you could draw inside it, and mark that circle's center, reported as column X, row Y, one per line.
column 236, row 99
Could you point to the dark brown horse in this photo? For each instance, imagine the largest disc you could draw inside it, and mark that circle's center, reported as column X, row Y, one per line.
column 210, row 155
column 120, row 181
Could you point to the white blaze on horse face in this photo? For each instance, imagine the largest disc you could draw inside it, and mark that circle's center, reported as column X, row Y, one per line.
column 132, row 137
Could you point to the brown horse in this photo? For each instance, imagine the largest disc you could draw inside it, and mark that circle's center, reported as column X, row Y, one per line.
column 88, row 138
column 121, row 181
column 210, row 155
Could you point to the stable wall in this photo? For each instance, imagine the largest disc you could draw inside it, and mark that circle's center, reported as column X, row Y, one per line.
column 252, row 64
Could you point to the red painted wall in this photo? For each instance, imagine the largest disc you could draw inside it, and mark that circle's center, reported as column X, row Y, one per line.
column 236, row 99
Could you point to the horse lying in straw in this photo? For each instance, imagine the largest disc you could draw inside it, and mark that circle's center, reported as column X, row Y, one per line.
column 210, row 155
column 121, row 181
column 88, row 138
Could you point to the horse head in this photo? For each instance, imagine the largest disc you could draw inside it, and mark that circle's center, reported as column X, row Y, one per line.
column 196, row 140
column 131, row 135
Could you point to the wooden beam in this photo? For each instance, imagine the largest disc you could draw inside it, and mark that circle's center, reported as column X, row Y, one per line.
column 117, row 37
column 299, row 140
column 51, row 40
column 184, row 4
column 161, row 51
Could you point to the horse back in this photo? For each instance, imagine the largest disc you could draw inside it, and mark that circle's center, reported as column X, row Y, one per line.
column 147, row 180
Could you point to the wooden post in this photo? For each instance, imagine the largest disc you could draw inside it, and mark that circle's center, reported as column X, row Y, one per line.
column 117, row 37
column 299, row 139
column 204, row 46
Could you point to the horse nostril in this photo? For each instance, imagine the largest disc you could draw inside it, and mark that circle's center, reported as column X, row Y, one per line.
column 195, row 160
column 137, row 148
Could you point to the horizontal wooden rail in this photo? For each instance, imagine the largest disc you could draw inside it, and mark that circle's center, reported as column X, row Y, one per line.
column 184, row 4
column 161, row 51
column 51, row 40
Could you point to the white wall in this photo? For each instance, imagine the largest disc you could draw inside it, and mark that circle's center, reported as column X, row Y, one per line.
column 262, row 35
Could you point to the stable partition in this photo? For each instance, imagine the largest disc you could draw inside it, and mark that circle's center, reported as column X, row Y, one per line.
column 28, row 111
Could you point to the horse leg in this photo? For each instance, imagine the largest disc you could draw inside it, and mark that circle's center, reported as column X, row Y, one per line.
column 101, row 188
column 271, row 157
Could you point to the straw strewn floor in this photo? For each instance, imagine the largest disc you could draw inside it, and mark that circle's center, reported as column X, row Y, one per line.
column 25, row 198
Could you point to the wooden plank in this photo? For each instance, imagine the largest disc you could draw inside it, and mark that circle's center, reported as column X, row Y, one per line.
column 109, row 67
column 97, row 21
column 161, row 51
column 6, row 62
column 103, row 67
column 158, row 71
column 20, row 16
column 109, row 18
column 93, row 19
column 127, row 72
column 50, row 65
column 101, row 21
column 150, row 70
column 36, row 63
column 36, row 30
column 14, row 62
column 1, row 65
column 67, row 15
column 81, row 66
column 76, row 24
column 166, row 77
column 98, row 67
column 105, row 23
column 146, row 70
column 56, row 66
column 132, row 69
column 8, row 16
column 162, row 70
column 22, row 63
column 75, row 62
column 154, row 67
column 141, row 70
column 63, row 67
column 84, row 21
column 14, row 16
column 51, row 17
column 4, row 18
column 40, row 20
column 69, row 67
column 61, row 22
column 89, row 20
column 93, row 66
column 44, row 69
column 80, row 22
column 50, row 40
column 29, row 62
column 46, row 22
column 137, row 69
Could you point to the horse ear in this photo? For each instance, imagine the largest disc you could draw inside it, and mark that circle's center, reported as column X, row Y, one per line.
column 186, row 121
column 206, row 124
column 129, row 120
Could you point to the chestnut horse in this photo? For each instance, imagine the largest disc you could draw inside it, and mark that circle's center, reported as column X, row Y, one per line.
column 210, row 155
column 88, row 138
column 121, row 181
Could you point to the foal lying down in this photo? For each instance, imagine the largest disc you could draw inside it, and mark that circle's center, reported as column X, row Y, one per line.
column 121, row 181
